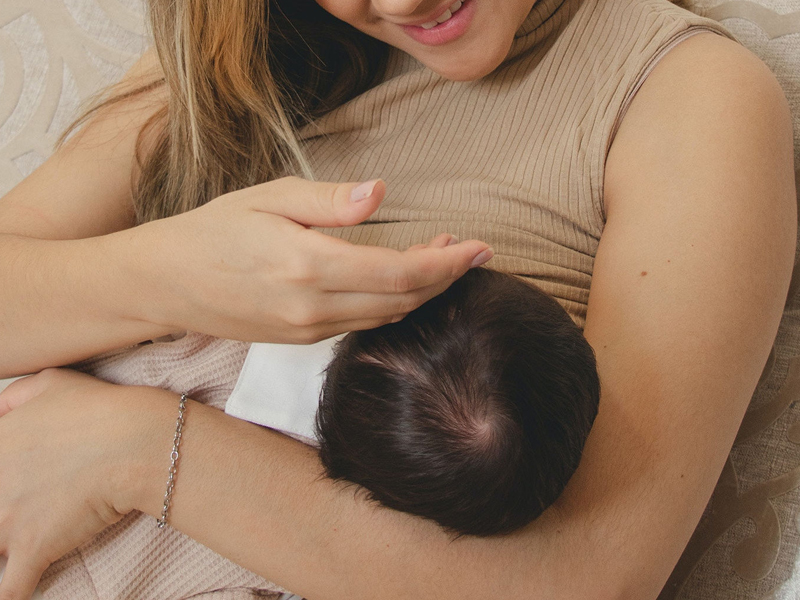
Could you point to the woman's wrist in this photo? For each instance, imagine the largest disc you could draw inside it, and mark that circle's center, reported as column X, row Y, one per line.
column 142, row 257
column 139, row 481
column 71, row 299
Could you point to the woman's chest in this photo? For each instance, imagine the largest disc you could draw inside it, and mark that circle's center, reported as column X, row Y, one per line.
column 449, row 151
column 495, row 164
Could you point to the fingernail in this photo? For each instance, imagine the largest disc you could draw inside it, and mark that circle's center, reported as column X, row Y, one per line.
column 453, row 241
column 482, row 258
column 363, row 191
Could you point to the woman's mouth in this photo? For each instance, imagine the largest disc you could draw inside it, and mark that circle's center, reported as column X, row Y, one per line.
column 445, row 17
column 448, row 27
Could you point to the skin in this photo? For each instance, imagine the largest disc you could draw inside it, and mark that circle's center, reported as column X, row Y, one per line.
column 244, row 266
column 679, row 352
column 475, row 54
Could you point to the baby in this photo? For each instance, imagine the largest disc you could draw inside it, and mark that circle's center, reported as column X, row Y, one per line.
column 472, row 411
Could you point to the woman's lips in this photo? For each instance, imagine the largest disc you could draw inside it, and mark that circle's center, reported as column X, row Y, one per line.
column 448, row 31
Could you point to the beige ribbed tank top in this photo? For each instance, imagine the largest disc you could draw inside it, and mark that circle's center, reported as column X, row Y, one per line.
column 515, row 159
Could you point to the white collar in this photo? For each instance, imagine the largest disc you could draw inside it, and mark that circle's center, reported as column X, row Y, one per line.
column 280, row 386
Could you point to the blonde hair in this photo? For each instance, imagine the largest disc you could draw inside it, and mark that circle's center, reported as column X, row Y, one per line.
column 242, row 76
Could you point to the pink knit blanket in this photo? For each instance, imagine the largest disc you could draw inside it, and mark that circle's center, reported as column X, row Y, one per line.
column 132, row 559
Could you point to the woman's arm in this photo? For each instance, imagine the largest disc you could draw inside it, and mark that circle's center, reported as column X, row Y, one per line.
column 64, row 290
column 77, row 279
column 243, row 266
column 689, row 285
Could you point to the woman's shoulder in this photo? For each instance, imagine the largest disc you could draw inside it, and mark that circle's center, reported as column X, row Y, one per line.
column 622, row 40
column 633, row 10
column 627, row 35
column 705, row 88
column 621, row 45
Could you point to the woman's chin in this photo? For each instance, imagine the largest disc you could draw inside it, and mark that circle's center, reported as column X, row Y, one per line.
column 467, row 73
column 467, row 68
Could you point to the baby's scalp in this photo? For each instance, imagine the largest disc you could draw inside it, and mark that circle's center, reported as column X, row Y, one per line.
column 472, row 411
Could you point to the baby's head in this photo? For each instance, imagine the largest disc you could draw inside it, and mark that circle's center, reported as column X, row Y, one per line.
column 472, row 411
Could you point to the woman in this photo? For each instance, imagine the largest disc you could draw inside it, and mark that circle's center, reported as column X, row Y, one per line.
column 687, row 286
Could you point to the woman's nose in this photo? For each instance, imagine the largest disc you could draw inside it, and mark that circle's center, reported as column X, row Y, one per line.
column 406, row 8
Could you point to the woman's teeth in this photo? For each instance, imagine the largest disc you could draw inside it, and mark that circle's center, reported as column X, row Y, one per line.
column 447, row 14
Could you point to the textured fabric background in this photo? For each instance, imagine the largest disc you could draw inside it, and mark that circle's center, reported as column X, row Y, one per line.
column 54, row 54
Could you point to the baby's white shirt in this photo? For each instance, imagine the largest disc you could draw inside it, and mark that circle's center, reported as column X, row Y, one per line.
column 279, row 386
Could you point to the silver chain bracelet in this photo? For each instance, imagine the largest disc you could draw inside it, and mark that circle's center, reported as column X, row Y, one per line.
column 173, row 468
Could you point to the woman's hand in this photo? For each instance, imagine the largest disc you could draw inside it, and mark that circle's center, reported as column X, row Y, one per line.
column 64, row 448
column 247, row 266
column 244, row 266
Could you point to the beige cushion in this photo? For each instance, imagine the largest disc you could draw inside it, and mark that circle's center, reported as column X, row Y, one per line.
column 54, row 54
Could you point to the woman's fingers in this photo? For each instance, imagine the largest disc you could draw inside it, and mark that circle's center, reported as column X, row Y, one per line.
column 379, row 308
column 374, row 310
column 318, row 204
column 27, row 388
column 60, row 453
column 443, row 240
column 352, row 268
column 17, row 394
column 440, row 241
column 21, row 577
column 247, row 266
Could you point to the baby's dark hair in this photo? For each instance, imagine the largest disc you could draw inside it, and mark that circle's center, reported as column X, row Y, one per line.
column 472, row 411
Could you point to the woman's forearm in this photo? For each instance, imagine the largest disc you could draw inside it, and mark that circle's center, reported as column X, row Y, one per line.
column 259, row 499
column 65, row 300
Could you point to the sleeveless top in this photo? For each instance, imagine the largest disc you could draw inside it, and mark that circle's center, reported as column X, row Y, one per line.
column 515, row 159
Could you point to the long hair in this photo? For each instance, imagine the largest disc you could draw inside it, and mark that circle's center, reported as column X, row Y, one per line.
column 242, row 77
